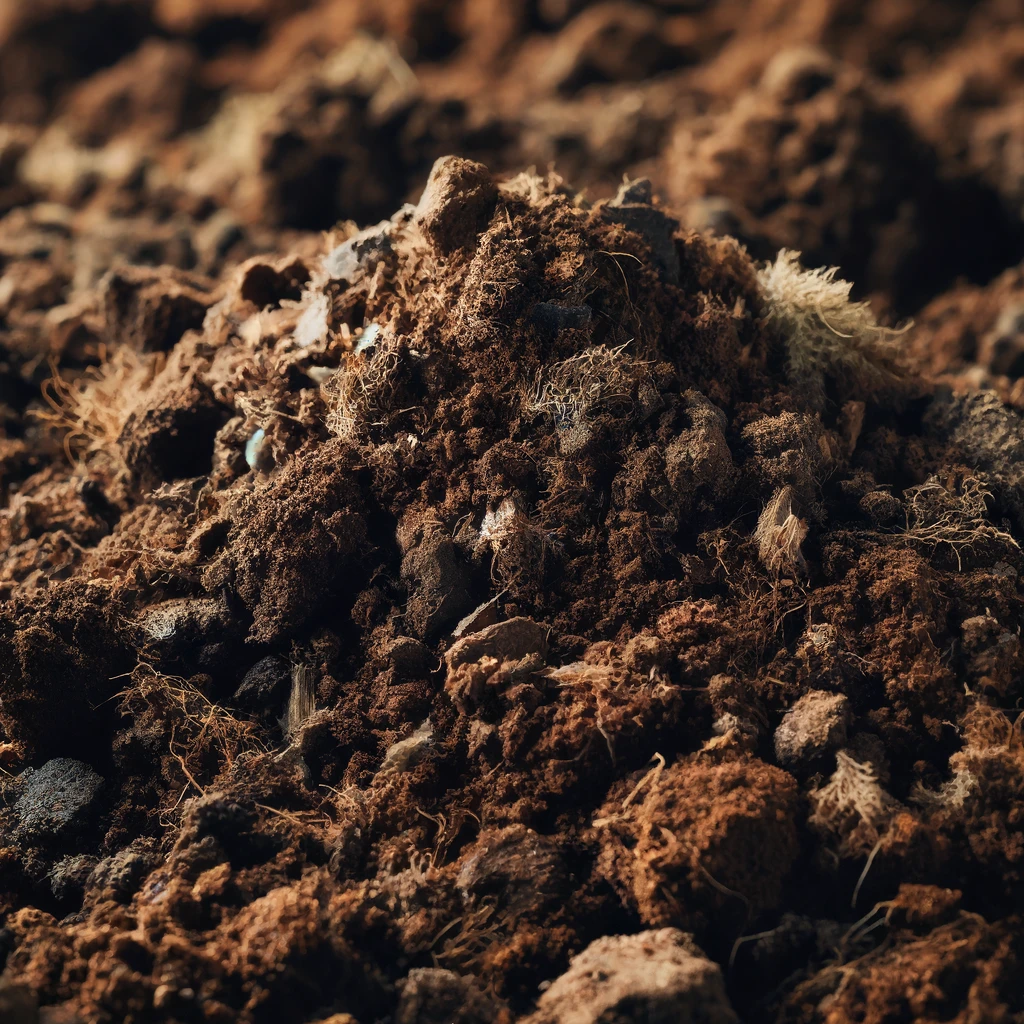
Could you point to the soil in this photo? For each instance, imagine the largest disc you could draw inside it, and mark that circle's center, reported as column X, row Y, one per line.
column 448, row 575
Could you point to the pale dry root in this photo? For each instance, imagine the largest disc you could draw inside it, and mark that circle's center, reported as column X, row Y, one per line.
column 361, row 393
column 827, row 335
column 780, row 533
column 957, row 519
column 90, row 413
column 572, row 392
column 853, row 806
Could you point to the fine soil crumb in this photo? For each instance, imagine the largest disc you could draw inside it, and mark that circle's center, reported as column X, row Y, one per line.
column 437, row 591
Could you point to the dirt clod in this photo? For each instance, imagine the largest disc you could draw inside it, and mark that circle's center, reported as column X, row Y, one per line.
column 654, row 975
column 815, row 725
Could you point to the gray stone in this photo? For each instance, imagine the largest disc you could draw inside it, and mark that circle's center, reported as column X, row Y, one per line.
column 57, row 800
column 814, row 726
column 122, row 874
column 265, row 685
column 430, row 995
column 69, row 876
column 632, row 208
column 361, row 253
column 656, row 977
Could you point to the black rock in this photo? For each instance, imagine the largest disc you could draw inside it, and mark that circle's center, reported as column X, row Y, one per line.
column 264, row 686
column 552, row 318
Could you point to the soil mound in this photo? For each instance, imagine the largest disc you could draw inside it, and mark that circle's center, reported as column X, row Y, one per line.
column 430, row 592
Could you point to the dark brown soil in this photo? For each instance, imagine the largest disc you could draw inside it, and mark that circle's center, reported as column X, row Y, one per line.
column 433, row 590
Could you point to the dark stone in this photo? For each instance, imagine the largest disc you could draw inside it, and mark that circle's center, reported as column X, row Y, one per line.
column 552, row 318
column 122, row 874
column 632, row 208
column 56, row 801
column 265, row 685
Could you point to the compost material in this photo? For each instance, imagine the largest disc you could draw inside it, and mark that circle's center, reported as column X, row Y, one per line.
column 511, row 512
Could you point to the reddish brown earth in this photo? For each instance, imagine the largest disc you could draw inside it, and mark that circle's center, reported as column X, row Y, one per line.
column 434, row 590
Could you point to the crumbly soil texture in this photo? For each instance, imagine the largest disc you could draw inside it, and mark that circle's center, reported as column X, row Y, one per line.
column 443, row 580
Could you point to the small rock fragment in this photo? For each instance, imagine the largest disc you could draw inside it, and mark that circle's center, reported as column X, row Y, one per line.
column 56, row 800
column 69, row 876
column 351, row 260
column 430, row 995
column 632, row 208
column 456, row 204
column 122, row 874
column 479, row 618
column 264, row 685
column 507, row 641
column 183, row 622
column 656, row 976
column 368, row 340
column 815, row 725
